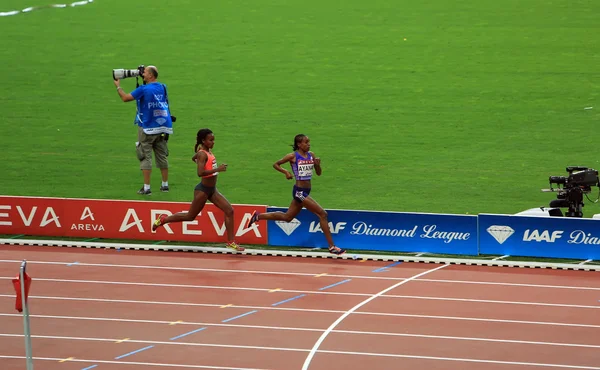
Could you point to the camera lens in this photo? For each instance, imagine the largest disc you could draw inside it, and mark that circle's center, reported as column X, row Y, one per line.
column 558, row 180
column 125, row 73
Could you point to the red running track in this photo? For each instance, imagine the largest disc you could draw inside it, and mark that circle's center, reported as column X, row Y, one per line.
column 106, row 309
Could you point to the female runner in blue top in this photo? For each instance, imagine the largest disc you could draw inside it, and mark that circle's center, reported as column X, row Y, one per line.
column 303, row 163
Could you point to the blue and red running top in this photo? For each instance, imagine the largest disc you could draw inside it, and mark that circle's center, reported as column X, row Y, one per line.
column 303, row 167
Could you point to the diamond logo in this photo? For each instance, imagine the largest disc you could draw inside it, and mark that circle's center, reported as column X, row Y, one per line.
column 500, row 233
column 288, row 227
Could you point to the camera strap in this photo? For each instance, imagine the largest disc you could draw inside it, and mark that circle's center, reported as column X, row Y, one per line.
column 167, row 96
column 173, row 118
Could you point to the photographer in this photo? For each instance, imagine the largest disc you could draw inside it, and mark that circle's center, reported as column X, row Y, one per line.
column 154, row 125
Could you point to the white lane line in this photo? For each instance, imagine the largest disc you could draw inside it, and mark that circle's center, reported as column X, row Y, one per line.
column 278, row 308
column 470, row 300
column 32, row 8
column 484, row 319
column 171, row 268
column 510, row 284
column 283, row 328
column 485, row 261
column 131, row 363
column 341, row 318
column 372, row 354
column 191, row 286
column 492, row 301
column 457, row 359
column 262, row 272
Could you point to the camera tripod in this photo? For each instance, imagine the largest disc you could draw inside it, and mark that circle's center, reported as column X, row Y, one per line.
column 572, row 199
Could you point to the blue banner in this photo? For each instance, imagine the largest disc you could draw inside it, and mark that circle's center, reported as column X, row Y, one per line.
column 380, row 231
column 555, row 237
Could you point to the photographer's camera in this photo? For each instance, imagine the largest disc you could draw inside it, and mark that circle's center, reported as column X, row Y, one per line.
column 119, row 74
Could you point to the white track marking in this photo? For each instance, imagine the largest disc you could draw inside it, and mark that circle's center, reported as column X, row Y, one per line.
column 189, row 304
column 478, row 319
column 520, row 322
column 130, row 363
column 509, row 284
column 283, row 328
column 192, row 286
column 491, row 301
column 80, row 264
column 337, row 276
column 314, row 292
column 32, row 8
column 144, row 267
column 474, row 339
column 347, row 313
column 263, row 348
column 179, row 343
column 465, row 360
column 302, row 253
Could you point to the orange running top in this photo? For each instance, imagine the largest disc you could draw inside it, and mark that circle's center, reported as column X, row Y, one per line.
column 211, row 163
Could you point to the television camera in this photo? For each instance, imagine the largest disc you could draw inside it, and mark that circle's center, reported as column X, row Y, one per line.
column 571, row 189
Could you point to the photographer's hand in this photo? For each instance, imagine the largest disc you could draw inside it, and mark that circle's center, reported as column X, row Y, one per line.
column 124, row 96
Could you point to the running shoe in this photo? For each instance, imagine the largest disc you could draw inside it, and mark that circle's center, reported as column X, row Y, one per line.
column 144, row 192
column 159, row 222
column 235, row 246
column 253, row 219
column 335, row 250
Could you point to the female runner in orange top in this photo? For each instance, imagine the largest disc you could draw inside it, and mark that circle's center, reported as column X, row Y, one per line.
column 206, row 189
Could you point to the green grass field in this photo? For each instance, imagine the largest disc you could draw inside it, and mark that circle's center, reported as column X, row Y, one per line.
column 435, row 106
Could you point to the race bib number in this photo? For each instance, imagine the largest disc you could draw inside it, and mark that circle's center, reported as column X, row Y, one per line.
column 305, row 170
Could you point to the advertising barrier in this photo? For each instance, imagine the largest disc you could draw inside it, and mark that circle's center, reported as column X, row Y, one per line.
column 121, row 219
column 490, row 234
column 555, row 237
column 381, row 231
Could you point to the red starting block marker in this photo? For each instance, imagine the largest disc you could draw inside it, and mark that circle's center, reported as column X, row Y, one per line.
column 22, row 283
column 20, row 290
